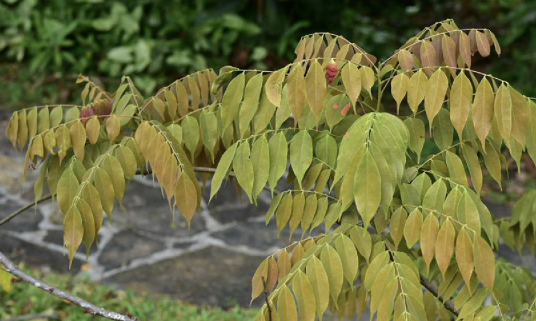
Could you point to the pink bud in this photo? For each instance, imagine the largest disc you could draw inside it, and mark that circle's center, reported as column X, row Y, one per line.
column 345, row 109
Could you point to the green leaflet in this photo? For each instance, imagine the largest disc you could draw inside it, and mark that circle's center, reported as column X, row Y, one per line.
column 464, row 256
column 261, row 158
column 222, row 169
column 104, row 186
column 435, row 197
column 231, row 99
column 73, row 232
column 412, row 229
column 190, row 134
column 115, row 171
column 315, row 82
column 396, row 226
column 333, row 265
column 468, row 213
column 66, row 190
column 251, row 103
column 298, row 207
column 348, row 254
column 319, row 281
column 442, row 129
column 399, row 88
column 461, row 96
column 278, row 152
column 367, row 188
column 243, row 169
column 435, row 94
column 503, row 111
column 296, row 92
column 264, row 113
column 416, row 134
column 326, row 150
column 283, row 213
column 186, row 197
column 286, row 306
column 283, row 112
column 456, row 168
column 257, row 286
column 301, row 154
column 303, row 290
column 473, row 163
column 416, row 90
column 209, row 131
column 483, row 110
column 351, row 79
column 89, row 224
column 311, row 204
column 274, row 85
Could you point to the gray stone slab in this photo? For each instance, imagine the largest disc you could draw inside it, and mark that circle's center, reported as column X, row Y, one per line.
column 125, row 247
column 257, row 235
column 37, row 256
column 146, row 210
column 26, row 221
column 228, row 207
column 214, row 276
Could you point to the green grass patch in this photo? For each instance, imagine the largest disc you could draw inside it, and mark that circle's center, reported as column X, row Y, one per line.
column 25, row 299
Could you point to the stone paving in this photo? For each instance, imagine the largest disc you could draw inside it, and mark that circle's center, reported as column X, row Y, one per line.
column 212, row 263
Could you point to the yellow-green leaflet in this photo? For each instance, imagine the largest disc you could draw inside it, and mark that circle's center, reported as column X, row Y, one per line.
column 93, row 129
column 89, row 224
column 286, row 306
column 296, row 92
column 261, row 158
column 190, row 134
column 448, row 47
column 66, row 190
column 435, row 94
column 333, row 265
column 257, row 286
column 232, row 98
column 429, row 231
column 405, row 58
column 315, row 82
column 412, row 229
column 352, row 82
column 43, row 120
column 304, row 296
column 428, row 56
column 461, row 96
column 115, row 171
column 417, row 86
column 397, row 223
column 186, row 197
column 464, row 255
column 348, row 254
column 456, row 168
column 484, row 262
column 251, row 103
column 301, row 154
column 319, row 281
column 194, row 91
column 78, row 139
column 182, row 98
column 416, row 135
column 444, row 245
column 209, row 127
column 222, row 169
column 367, row 188
column 243, row 168
column 503, row 112
column 104, row 186
column 274, row 86
column 473, row 163
column 283, row 213
column 483, row 110
column 73, row 232
column 399, row 88
column 112, row 127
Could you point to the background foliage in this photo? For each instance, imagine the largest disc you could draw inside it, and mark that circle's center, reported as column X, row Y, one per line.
column 158, row 41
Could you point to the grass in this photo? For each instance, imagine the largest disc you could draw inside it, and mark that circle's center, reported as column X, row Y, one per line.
column 25, row 299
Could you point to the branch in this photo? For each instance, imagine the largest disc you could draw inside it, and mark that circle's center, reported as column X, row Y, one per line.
column 447, row 304
column 24, row 208
column 90, row 308
column 33, row 317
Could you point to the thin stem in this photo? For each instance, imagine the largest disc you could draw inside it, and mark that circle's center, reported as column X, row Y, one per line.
column 24, row 208
column 88, row 307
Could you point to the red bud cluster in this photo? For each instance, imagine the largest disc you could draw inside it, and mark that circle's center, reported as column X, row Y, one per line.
column 331, row 72
column 102, row 107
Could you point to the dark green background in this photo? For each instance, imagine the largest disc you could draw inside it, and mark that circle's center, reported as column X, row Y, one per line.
column 45, row 44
